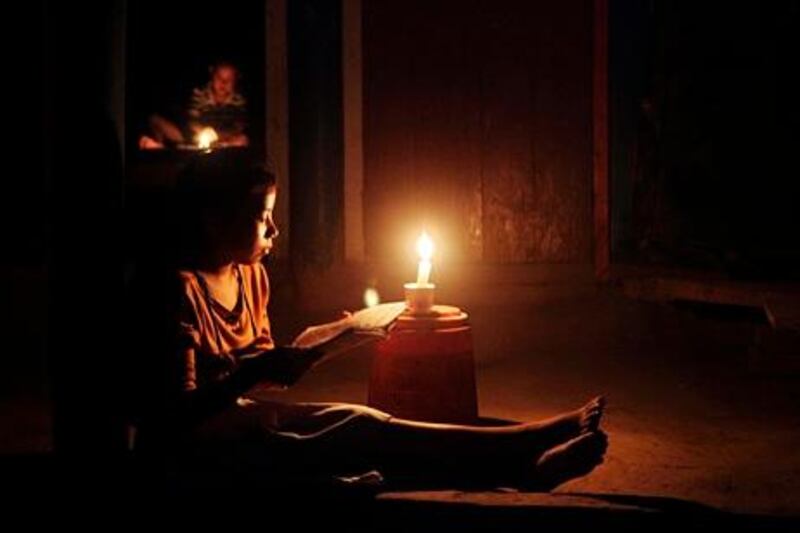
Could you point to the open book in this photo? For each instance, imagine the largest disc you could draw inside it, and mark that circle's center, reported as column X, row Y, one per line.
column 366, row 324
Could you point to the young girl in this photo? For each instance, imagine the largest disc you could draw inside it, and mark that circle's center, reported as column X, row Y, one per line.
column 218, row 344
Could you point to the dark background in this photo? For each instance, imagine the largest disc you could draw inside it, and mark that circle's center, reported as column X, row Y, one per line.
column 709, row 178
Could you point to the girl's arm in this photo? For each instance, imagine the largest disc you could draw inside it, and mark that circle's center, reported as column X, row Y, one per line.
column 198, row 403
column 283, row 366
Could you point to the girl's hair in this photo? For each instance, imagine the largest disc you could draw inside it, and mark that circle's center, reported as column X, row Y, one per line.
column 221, row 174
column 224, row 63
column 218, row 189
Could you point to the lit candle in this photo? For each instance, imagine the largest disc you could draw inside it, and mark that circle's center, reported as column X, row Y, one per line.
column 425, row 251
column 419, row 295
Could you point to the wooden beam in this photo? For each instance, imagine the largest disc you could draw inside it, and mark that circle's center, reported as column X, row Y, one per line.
column 602, row 251
column 277, row 113
column 353, row 138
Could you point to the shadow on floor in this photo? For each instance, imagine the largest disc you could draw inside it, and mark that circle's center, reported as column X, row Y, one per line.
column 119, row 485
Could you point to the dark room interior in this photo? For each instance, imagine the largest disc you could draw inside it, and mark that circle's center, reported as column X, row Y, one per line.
column 609, row 188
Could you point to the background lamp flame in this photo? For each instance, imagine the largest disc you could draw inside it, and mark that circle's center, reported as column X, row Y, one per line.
column 371, row 297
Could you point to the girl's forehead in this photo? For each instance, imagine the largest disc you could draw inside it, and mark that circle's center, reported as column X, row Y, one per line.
column 269, row 199
column 265, row 197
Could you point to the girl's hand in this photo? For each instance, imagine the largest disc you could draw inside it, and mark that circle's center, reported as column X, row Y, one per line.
column 283, row 365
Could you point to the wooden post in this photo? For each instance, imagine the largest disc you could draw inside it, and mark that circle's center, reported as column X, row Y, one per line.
column 353, row 139
column 277, row 113
column 602, row 252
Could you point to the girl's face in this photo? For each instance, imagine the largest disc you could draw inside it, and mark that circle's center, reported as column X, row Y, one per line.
column 258, row 229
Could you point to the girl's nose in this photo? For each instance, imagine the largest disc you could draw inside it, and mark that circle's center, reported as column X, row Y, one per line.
column 272, row 231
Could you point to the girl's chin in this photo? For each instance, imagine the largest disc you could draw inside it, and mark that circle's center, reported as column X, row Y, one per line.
column 256, row 258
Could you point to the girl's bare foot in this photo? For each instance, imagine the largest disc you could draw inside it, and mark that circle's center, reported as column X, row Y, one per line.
column 570, row 460
column 545, row 434
column 589, row 415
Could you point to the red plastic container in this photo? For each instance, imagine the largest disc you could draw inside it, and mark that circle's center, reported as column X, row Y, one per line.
column 425, row 369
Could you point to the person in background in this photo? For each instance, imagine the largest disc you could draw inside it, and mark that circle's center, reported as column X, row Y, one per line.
column 217, row 105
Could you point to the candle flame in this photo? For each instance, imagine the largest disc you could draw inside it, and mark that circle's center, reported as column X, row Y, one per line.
column 371, row 297
column 206, row 137
column 425, row 246
column 425, row 250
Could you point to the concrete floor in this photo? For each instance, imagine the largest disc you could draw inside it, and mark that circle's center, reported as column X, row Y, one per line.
column 690, row 416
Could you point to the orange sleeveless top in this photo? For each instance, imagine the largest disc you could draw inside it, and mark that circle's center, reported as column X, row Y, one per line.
column 212, row 337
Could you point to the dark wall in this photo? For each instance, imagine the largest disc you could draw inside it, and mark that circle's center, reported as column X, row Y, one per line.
column 22, row 210
column 24, row 217
column 477, row 125
column 316, row 159
column 705, row 122
column 84, row 211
